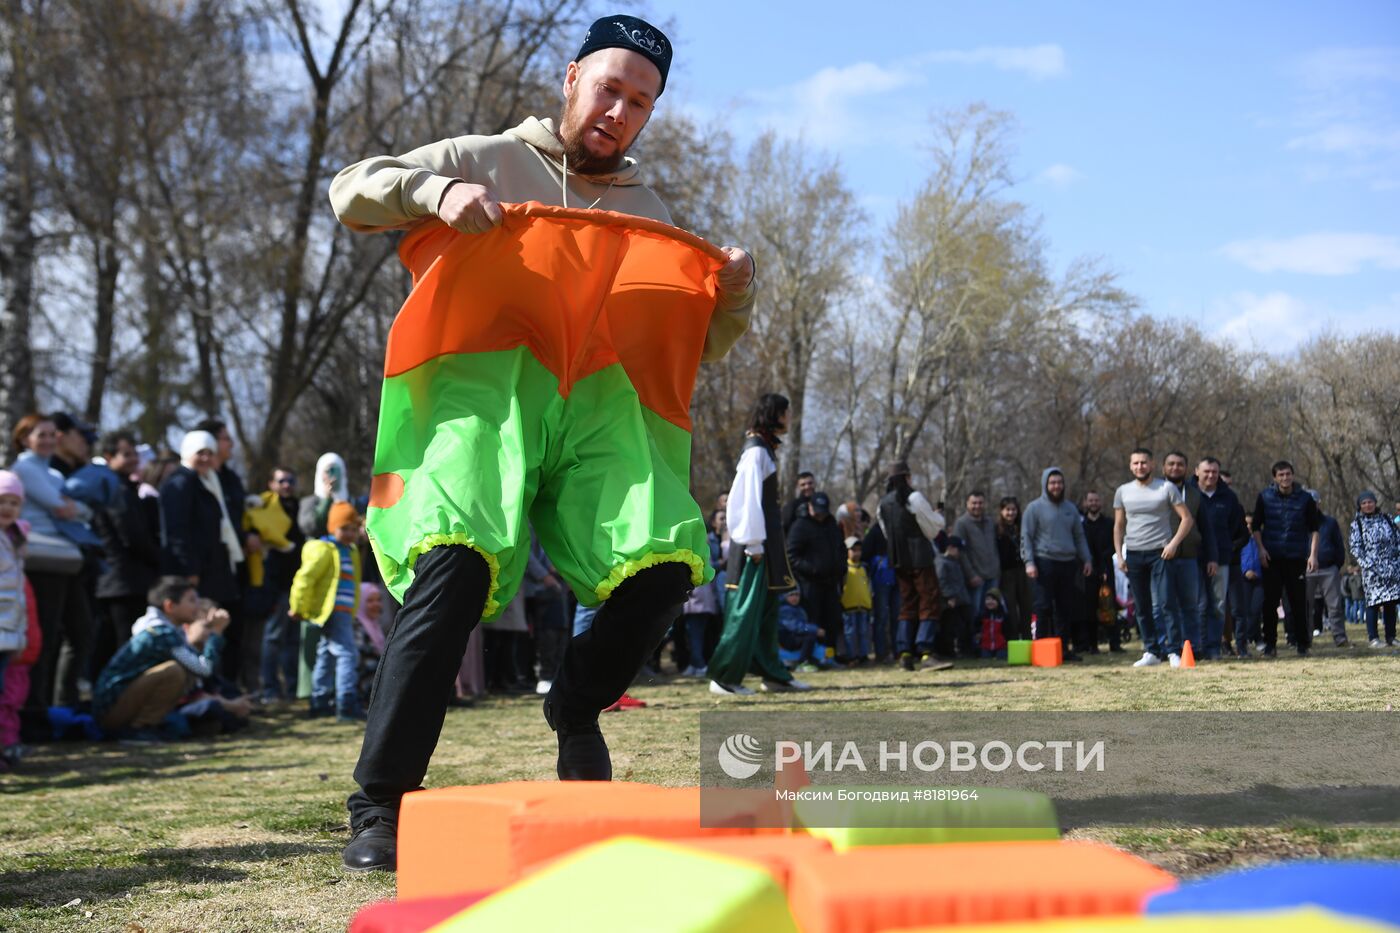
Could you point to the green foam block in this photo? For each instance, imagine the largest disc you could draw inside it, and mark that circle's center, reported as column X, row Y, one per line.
column 630, row 883
column 997, row 815
column 1018, row 652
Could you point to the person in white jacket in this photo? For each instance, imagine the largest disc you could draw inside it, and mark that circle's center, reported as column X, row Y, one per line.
column 758, row 563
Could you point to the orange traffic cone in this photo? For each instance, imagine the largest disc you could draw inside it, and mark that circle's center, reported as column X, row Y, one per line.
column 1188, row 657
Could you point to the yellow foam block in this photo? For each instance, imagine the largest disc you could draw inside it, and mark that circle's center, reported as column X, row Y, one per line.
column 630, row 883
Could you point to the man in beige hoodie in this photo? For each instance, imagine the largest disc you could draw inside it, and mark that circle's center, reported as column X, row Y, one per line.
column 610, row 90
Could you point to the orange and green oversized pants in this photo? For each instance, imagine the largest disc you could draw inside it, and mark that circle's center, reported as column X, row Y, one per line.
column 541, row 374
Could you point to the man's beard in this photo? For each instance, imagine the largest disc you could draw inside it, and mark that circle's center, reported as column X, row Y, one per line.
column 1056, row 496
column 580, row 160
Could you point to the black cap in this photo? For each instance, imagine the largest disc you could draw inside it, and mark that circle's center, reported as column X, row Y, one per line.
column 899, row 468
column 66, row 422
column 821, row 504
column 635, row 35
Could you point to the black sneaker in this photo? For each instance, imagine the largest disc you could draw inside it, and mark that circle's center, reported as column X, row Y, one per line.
column 1071, row 657
column 906, row 661
column 932, row 662
column 374, row 846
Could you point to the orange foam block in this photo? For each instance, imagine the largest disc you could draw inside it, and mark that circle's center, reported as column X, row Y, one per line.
column 1047, row 652
column 894, row 887
column 454, row 840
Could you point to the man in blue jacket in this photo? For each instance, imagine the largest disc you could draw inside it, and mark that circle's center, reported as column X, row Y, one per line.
column 1325, row 582
column 1286, row 523
column 1222, row 515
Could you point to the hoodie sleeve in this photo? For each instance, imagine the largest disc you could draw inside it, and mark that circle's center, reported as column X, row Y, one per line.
column 1029, row 522
column 394, row 192
column 745, row 509
column 729, row 322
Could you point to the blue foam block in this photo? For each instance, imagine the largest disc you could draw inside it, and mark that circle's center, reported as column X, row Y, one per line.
column 1359, row 889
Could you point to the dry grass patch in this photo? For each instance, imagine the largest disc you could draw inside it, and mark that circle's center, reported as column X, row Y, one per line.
column 244, row 833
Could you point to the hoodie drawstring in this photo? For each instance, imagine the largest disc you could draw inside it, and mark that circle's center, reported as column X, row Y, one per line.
column 564, row 186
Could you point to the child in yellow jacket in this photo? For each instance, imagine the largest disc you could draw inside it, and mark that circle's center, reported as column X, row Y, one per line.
column 326, row 593
column 856, row 604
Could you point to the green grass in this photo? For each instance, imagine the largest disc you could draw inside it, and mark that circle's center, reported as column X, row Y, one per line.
column 244, row 833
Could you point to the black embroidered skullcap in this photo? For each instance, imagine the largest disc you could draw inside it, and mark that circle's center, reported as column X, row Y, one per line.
column 635, row 35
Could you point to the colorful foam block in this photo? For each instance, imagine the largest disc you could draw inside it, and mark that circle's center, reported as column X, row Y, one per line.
column 1359, row 889
column 997, row 815
column 1018, row 652
column 894, row 887
column 1047, row 652
column 453, row 840
column 411, row 916
column 775, row 853
column 1306, row 920
column 635, row 884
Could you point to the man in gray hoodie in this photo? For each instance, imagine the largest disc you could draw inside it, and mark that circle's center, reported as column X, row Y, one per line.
column 1055, row 550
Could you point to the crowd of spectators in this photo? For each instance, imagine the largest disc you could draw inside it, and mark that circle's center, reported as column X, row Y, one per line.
column 148, row 594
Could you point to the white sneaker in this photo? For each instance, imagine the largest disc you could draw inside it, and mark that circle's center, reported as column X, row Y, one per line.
column 1174, row 659
column 729, row 689
column 1317, row 633
column 1377, row 643
column 1148, row 659
column 543, row 686
column 784, row 686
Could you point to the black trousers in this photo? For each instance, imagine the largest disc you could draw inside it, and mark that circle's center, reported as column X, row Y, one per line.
column 65, row 620
column 424, row 647
column 1286, row 575
column 957, row 621
column 821, row 599
column 1056, row 600
column 115, row 615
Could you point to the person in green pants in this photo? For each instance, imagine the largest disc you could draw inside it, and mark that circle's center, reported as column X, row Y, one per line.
column 758, row 563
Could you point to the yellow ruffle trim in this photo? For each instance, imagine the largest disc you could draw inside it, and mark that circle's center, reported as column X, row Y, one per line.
column 432, row 541
column 627, row 569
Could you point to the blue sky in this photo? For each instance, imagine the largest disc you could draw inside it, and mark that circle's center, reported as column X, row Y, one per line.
column 1238, row 164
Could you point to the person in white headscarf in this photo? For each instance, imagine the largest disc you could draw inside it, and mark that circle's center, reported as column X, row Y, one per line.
column 329, row 487
column 198, row 540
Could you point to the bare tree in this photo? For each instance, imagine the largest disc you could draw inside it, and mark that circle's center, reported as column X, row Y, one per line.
column 19, row 239
column 799, row 218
